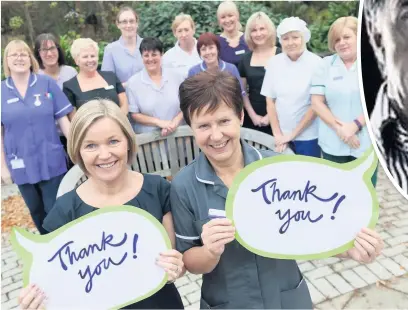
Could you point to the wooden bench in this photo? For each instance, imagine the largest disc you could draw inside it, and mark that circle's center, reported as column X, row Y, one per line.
column 165, row 156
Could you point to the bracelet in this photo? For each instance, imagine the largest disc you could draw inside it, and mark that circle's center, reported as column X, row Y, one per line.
column 356, row 121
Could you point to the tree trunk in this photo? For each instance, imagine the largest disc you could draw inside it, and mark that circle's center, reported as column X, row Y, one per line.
column 29, row 24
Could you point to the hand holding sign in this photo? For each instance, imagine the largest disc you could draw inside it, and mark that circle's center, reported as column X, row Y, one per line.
column 78, row 265
column 299, row 207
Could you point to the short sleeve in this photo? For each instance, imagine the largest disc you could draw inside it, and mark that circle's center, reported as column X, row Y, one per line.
column 69, row 94
column 118, row 84
column 191, row 72
column 62, row 105
column 164, row 195
column 268, row 86
column 319, row 79
column 107, row 62
column 183, row 219
column 133, row 101
column 235, row 73
column 56, row 218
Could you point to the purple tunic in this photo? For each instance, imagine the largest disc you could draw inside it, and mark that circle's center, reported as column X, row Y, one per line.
column 30, row 136
column 223, row 66
column 230, row 54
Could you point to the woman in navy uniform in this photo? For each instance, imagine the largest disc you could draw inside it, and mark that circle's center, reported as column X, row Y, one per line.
column 233, row 277
column 32, row 154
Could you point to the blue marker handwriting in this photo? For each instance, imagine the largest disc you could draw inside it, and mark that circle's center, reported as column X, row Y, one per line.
column 272, row 194
column 68, row 256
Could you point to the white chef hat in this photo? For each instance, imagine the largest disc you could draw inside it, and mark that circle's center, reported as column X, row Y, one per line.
column 293, row 24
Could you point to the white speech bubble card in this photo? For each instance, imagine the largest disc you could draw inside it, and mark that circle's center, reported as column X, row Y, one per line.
column 103, row 260
column 300, row 207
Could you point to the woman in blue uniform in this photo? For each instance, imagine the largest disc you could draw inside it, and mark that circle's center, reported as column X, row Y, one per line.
column 32, row 154
column 233, row 277
column 103, row 144
column 343, row 134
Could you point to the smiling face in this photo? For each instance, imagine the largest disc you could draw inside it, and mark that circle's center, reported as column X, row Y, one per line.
column 184, row 32
column 127, row 24
column 217, row 133
column 228, row 20
column 152, row 60
column 346, row 44
column 49, row 53
column 259, row 34
column 18, row 60
column 104, row 150
column 292, row 44
column 87, row 59
column 209, row 54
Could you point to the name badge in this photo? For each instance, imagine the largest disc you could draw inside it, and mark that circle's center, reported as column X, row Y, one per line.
column 337, row 78
column 214, row 214
column 240, row 52
column 109, row 87
column 12, row 100
column 17, row 163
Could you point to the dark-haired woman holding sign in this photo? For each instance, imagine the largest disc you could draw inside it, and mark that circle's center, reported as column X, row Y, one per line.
column 233, row 277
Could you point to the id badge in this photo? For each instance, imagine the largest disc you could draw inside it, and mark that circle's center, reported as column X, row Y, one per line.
column 240, row 52
column 216, row 214
column 109, row 87
column 17, row 163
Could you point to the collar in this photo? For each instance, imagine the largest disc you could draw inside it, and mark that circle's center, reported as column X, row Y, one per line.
column 301, row 58
column 338, row 62
column 138, row 41
column 179, row 49
column 205, row 172
column 31, row 81
column 145, row 78
column 221, row 65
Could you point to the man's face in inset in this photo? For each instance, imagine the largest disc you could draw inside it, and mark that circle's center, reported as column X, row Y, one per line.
column 394, row 33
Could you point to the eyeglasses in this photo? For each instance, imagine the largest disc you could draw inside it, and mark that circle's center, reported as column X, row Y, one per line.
column 125, row 22
column 51, row 49
column 16, row 56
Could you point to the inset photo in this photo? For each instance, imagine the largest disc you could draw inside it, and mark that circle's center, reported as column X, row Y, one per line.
column 384, row 63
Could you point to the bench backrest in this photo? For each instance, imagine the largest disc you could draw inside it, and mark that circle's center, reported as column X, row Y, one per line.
column 165, row 156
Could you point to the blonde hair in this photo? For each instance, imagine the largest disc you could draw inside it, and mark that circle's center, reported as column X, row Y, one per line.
column 260, row 17
column 180, row 19
column 80, row 44
column 86, row 116
column 337, row 28
column 229, row 7
column 19, row 45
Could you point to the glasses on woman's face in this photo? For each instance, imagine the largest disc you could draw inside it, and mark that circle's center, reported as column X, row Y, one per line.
column 125, row 22
column 45, row 50
column 16, row 56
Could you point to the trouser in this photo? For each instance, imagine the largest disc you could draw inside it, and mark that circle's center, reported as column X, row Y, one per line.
column 40, row 198
column 64, row 142
column 347, row 159
column 306, row 147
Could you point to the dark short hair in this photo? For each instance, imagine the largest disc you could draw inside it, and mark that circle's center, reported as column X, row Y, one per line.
column 209, row 90
column 37, row 46
column 151, row 44
column 208, row 38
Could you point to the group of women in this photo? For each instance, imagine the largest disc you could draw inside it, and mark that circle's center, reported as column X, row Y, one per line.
column 214, row 84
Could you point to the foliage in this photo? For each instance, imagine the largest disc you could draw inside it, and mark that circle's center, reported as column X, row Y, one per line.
column 16, row 22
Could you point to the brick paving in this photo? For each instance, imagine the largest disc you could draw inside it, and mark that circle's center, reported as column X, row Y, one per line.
column 327, row 279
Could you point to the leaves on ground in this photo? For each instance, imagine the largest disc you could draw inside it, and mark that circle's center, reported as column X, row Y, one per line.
column 14, row 212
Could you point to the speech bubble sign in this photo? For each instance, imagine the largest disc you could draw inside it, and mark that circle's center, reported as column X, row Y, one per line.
column 103, row 260
column 300, row 207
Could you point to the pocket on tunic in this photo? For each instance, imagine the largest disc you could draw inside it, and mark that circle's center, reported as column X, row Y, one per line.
column 297, row 298
column 55, row 156
column 205, row 305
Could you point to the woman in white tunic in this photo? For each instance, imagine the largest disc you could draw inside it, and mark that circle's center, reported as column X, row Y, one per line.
column 287, row 90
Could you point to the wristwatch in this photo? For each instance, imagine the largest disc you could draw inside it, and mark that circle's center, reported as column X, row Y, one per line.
column 357, row 122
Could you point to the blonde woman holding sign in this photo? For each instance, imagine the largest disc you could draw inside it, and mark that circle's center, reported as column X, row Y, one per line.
column 102, row 143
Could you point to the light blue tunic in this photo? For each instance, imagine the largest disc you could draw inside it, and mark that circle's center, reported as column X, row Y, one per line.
column 340, row 87
column 145, row 97
column 117, row 58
